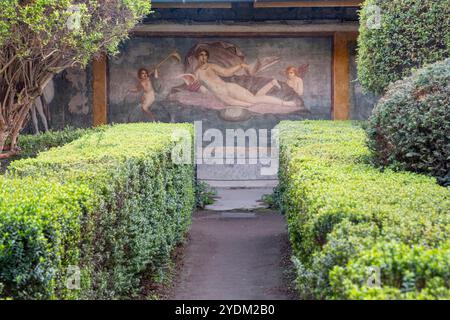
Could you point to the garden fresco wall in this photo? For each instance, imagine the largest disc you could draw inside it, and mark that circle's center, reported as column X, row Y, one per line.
column 70, row 99
column 66, row 101
column 184, row 94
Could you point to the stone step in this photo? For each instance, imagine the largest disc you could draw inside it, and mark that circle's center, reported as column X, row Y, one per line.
column 241, row 183
column 239, row 199
column 235, row 172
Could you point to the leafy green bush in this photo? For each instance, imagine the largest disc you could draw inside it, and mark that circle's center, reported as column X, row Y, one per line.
column 204, row 194
column 39, row 231
column 136, row 205
column 409, row 128
column 407, row 272
column 411, row 34
column 346, row 217
column 31, row 145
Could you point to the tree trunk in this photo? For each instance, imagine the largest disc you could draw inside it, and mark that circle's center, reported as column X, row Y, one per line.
column 3, row 136
column 15, row 124
column 19, row 124
column 22, row 80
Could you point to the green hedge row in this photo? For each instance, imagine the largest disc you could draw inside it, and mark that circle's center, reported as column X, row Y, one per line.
column 357, row 232
column 396, row 36
column 31, row 145
column 112, row 203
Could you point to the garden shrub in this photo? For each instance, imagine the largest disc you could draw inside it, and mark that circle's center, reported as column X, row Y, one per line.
column 31, row 145
column 39, row 232
column 410, row 34
column 409, row 128
column 138, row 208
column 346, row 217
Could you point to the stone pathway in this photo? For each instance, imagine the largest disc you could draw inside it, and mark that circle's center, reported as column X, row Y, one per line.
column 235, row 255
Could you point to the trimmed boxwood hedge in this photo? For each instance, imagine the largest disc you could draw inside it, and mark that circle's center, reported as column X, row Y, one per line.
column 39, row 233
column 111, row 203
column 410, row 126
column 346, row 218
column 411, row 33
column 31, row 144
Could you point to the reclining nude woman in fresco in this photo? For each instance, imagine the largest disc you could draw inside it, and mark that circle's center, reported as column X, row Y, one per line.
column 233, row 82
column 231, row 93
column 215, row 76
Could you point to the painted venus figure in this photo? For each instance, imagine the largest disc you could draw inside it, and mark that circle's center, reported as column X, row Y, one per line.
column 209, row 75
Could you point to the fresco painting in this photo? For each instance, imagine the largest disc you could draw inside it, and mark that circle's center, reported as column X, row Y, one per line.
column 68, row 98
column 221, row 79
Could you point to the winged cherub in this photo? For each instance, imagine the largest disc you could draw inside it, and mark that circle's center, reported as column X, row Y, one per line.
column 145, row 85
column 295, row 77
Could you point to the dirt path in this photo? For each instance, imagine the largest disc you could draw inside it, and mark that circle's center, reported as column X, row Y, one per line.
column 235, row 256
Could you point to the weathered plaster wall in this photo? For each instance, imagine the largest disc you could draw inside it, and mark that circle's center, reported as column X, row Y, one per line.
column 361, row 103
column 67, row 101
column 72, row 101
